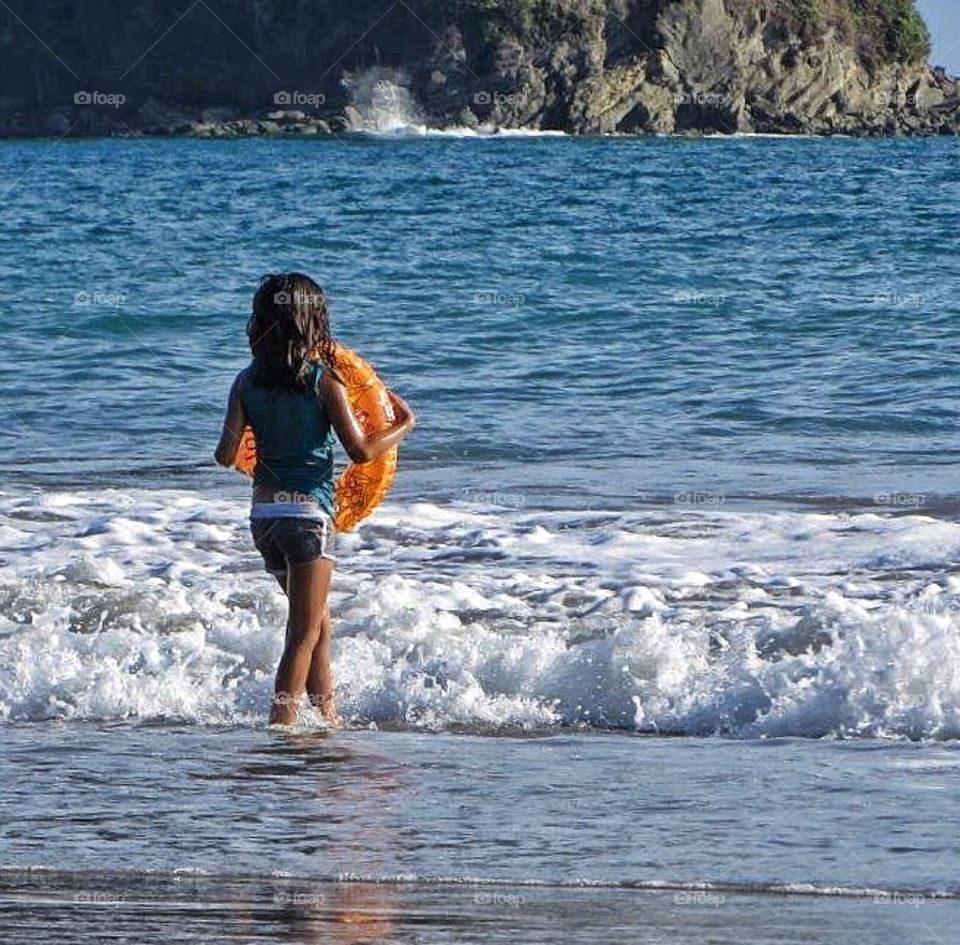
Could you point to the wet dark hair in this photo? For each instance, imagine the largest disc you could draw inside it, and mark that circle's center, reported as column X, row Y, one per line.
column 289, row 331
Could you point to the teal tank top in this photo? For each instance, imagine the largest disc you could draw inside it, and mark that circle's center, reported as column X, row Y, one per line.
column 294, row 438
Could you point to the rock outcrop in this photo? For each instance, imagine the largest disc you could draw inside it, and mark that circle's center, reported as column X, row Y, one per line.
column 303, row 67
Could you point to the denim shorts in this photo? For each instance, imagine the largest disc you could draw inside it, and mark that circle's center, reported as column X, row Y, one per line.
column 286, row 542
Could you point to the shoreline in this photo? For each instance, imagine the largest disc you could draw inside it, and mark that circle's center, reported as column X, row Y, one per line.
column 197, row 878
column 297, row 126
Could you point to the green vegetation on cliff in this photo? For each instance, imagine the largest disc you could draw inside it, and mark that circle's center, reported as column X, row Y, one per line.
column 896, row 26
column 543, row 18
column 882, row 30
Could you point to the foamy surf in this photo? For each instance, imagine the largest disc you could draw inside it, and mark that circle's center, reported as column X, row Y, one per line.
column 382, row 105
column 481, row 132
column 184, row 876
column 151, row 605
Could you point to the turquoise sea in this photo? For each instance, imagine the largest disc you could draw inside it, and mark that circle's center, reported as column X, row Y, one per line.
column 656, row 638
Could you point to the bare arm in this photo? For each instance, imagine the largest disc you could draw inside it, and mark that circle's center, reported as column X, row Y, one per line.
column 360, row 447
column 234, row 424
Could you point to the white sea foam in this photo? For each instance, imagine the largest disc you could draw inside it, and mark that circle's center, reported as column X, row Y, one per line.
column 485, row 132
column 382, row 102
column 153, row 605
column 384, row 106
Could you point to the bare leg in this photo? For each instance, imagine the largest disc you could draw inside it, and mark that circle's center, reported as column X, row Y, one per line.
column 320, row 684
column 320, row 677
column 307, row 589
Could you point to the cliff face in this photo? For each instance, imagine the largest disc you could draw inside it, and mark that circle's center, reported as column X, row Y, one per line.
column 585, row 66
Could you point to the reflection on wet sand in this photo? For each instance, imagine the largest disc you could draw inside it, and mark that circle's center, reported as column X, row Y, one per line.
column 355, row 913
column 350, row 913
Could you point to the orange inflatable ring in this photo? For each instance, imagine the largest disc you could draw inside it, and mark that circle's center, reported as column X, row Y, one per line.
column 361, row 486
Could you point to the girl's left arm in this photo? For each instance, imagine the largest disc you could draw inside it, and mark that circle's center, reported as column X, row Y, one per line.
column 234, row 424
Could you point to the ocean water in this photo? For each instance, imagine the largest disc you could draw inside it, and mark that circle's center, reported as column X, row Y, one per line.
column 663, row 606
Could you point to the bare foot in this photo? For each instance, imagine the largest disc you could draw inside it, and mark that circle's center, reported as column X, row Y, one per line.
column 284, row 709
column 333, row 719
column 327, row 708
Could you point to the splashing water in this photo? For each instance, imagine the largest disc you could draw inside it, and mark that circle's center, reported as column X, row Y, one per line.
column 153, row 605
column 382, row 103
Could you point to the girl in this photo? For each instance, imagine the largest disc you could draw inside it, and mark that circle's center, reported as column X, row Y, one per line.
column 293, row 398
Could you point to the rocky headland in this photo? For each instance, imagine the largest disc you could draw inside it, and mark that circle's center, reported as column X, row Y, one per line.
column 312, row 67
